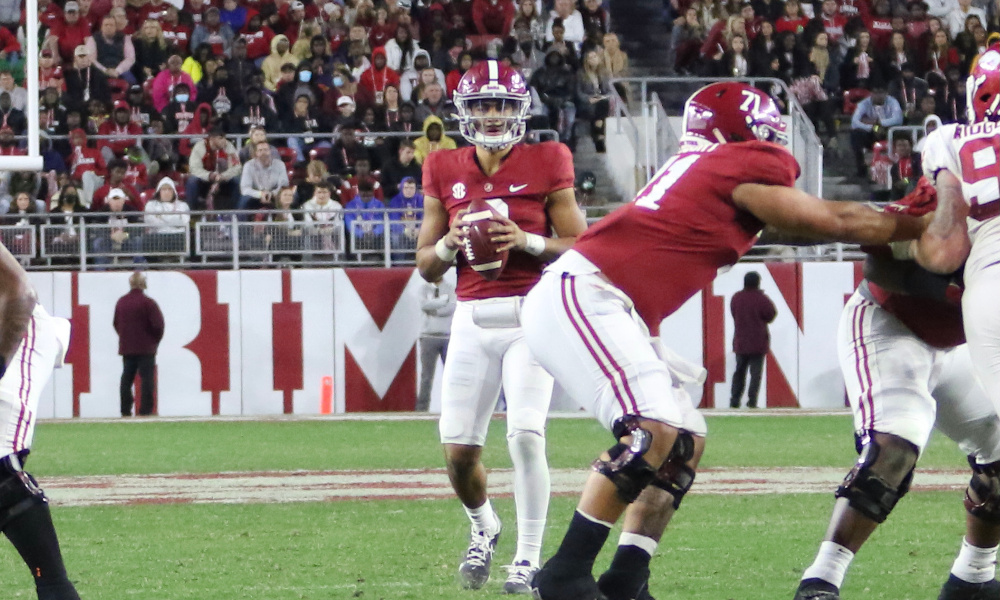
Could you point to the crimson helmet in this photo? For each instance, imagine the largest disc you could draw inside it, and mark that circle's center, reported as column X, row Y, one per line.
column 733, row 112
column 982, row 89
column 489, row 84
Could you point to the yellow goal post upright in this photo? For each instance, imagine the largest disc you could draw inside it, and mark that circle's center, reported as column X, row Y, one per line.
column 33, row 161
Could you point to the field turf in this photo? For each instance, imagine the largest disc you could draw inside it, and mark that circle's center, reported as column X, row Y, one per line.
column 718, row 547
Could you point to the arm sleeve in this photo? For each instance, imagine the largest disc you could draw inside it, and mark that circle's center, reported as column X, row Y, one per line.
column 895, row 113
column 235, row 165
column 563, row 175
column 246, row 185
column 859, row 112
column 770, row 312
column 129, row 59
column 936, row 156
column 196, row 163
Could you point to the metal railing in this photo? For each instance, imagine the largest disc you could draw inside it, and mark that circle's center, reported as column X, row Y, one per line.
column 668, row 94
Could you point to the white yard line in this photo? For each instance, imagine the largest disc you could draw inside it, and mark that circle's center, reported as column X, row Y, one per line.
column 323, row 486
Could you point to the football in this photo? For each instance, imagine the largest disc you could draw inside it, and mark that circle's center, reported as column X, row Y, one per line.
column 479, row 250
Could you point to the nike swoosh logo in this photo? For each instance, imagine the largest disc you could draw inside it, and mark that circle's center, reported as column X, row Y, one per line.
column 517, row 188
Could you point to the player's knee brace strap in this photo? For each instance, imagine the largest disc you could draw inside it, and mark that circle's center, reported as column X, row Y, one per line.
column 867, row 492
column 985, row 484
column 18, row 492
column 674, row 475
column 626, row 468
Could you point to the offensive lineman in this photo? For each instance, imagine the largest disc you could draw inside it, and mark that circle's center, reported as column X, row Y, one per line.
column 590, row 319
column 907, row 369
column 532, row 186
column 32, row 344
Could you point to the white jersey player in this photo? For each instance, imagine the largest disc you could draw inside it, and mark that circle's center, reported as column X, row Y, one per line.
column 964, row 162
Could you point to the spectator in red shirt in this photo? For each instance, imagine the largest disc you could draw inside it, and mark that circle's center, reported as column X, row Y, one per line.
column 493, row 17
column 879, row 24
column 154, row 9
column 793, row 20
column 177, row 34
column 124, row 130
column 752, row 311
column 195, row 11
column 833, row 22
column 71, row 32
column 49, row 14
column 139, row 324
column 362, row 173
column 10, row 48
column 86, row 165
column 258, row 39
column 378, row 76
column 383, row 30
column 117, row 171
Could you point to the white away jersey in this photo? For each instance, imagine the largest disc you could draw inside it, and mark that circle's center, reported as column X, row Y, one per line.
column 972, row 154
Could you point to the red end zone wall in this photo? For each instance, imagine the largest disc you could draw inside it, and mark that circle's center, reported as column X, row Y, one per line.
column 260, row 342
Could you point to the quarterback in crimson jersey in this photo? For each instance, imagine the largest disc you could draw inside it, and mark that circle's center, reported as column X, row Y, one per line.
column 531, row 188
column 907, row 370
column 593, row 318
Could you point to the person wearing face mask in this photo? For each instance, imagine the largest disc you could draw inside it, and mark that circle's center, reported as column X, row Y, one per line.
column 180, row 111
column 301, row 85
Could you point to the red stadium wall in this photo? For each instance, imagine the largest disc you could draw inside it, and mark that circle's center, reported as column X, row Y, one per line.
column 261, row 342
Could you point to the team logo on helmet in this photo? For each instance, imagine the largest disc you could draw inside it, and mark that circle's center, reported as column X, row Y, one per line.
column 492, row 102
column 733, row 112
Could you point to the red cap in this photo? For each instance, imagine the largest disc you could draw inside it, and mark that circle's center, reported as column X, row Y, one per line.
column 121, row 104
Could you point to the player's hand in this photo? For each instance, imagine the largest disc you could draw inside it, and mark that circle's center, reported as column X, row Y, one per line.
column 455, row 238
column 507, row 234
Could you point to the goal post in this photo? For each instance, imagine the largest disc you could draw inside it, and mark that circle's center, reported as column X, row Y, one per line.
column 33, row 161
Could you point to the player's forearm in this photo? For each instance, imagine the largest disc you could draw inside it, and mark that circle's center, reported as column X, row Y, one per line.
column 941, row 254
column 864, row 225
column 430, row 265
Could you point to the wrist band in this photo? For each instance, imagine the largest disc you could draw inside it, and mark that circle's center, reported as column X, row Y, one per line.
column 443, row 252
column 535, row 244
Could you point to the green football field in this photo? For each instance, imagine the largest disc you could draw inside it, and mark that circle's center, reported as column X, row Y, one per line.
column 719, row 546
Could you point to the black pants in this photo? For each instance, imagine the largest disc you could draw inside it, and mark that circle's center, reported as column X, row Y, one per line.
column 755, row 363
column 143, row 364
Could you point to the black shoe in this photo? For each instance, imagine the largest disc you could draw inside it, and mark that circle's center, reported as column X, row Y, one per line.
column 958, row 589
column 817, row 589
column 549, row 584
column 620, row 586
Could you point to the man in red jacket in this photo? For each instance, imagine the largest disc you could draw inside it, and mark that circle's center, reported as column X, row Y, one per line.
column 124, row 130
column 378, row 76
column 139, row 324
column 493, row 17
column 752, row 311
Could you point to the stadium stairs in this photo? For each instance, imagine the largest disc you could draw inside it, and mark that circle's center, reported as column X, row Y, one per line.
column 644, row 28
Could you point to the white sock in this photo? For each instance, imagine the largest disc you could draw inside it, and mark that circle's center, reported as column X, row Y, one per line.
column 647, row 544
column 531, row 493
column 483, row 518
column 975, row 565
column 831, row 564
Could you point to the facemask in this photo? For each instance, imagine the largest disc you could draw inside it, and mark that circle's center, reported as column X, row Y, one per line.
column 338, row 81
column 182, row 97
column 305, row 76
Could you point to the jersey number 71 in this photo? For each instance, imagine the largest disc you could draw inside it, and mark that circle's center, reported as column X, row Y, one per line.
column 651, row 195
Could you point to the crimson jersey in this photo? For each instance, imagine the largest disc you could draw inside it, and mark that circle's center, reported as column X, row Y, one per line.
column 527, row 176
column 683, row 226
column 935, row 322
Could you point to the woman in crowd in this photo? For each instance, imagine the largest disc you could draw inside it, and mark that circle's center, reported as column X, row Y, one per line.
column 762, row 49
column 594, row 96
column 390, row 109
column 793, row 20
column 527, row 18
column 150, row 51
column 399, row 51
column 940, row 56
column 733, row 62
column 65, row 239
column 859, row 65
column 686, row 40
column 896, row 56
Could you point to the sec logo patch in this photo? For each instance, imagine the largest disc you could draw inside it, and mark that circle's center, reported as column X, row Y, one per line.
column 458, row 191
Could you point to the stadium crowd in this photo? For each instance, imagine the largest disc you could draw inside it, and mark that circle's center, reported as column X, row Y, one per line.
column 298, row 81
column 880, row 63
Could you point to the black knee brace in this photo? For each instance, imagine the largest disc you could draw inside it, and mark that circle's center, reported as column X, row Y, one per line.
column 867, row 492
column 674, row 476
column 985, row 483
column 626, row 468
